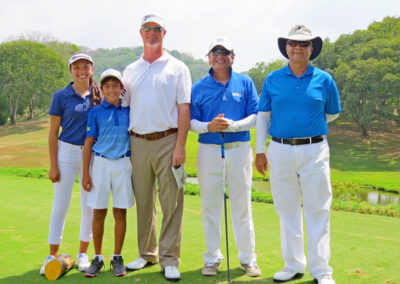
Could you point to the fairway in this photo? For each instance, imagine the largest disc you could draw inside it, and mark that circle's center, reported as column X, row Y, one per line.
column 365, row 248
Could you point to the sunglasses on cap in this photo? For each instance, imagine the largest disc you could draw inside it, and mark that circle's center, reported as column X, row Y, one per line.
column 157, row 29
column 221, row 51
column 294, row 43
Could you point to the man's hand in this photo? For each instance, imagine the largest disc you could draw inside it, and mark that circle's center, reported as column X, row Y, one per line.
column 218, row 124
column 179, row 155
column 261, row 163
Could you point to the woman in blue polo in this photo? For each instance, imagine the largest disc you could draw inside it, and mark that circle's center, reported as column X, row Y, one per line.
column 68, row 111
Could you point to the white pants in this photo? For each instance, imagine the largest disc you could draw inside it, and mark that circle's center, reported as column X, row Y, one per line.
column 69, row 162
column 111, row 175
column 238, row 162
column 296, row 172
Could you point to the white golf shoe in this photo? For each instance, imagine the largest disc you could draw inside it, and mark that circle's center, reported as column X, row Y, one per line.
column 137, row 264
column 83, row 262
column 325, row 279
column 46, row 260
column 287, row 274
column 171, row 273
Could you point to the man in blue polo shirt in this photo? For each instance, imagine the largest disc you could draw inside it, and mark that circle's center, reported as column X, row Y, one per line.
column 297, row 102
column 223, row 109
column 107, row 136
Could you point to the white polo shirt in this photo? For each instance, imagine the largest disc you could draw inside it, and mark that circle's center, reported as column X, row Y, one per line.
column 153, row 91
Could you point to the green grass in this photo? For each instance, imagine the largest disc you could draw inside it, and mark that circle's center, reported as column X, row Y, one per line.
column 373, row 161
column 365, row 248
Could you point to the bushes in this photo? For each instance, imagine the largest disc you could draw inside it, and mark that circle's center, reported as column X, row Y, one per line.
column 345, row 194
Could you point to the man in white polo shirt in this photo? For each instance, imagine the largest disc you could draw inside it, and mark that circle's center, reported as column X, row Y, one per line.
column 158, row 90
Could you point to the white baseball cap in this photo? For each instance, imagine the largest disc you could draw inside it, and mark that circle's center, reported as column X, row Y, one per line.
column 78, row 56
column 224, row 42
column 111, row 73
column 153, row 18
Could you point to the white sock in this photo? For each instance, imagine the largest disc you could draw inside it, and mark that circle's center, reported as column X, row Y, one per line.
column 99, row 256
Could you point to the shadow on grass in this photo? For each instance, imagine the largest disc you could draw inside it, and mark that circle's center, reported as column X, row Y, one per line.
column 22, row 128
column 354, row 154
column 141, row 276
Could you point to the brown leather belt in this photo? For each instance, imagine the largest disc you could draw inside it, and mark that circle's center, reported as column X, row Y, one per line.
column 154, row 135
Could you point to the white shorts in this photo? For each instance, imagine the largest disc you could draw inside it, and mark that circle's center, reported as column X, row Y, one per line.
column 111, row 175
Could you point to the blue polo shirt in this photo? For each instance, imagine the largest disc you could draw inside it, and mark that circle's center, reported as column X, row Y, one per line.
column 236, row 100
column 109, row 124
column 73, row 110
column 298, row 105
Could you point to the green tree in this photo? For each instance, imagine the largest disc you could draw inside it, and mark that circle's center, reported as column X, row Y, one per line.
column 29, row 73
column 327, row 59
column 368, row 73
column 64, row 50
column 3, row 111
column 259, row 72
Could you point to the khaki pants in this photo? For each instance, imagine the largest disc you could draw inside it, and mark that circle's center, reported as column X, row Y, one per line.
column 151, row 162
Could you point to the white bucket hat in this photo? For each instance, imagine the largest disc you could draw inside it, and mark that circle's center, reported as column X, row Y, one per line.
column 111, row 73
column 301, row 33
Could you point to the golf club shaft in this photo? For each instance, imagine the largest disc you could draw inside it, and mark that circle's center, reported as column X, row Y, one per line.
column 225, row 207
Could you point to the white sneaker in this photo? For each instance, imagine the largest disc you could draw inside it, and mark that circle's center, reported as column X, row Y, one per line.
column 46, row 260
column 286, row 275
column 171, row 273
column 325, row 279
column 83, row 262
column 137, row 264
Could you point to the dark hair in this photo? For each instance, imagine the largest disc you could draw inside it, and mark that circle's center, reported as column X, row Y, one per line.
column 110, row 78
column 97, row 96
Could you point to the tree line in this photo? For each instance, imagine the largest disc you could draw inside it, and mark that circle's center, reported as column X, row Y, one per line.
column 365, row 65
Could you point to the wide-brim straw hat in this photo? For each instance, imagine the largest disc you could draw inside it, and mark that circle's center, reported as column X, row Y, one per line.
column 301, row 33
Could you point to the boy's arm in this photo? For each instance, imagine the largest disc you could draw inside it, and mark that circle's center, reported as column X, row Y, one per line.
column 87, row 157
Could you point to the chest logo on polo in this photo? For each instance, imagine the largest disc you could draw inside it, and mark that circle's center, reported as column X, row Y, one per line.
column 237, row 96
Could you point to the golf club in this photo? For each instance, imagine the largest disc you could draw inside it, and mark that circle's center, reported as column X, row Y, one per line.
column 226, row 218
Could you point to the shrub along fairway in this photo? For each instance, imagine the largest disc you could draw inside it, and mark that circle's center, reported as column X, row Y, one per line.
column 365, row 248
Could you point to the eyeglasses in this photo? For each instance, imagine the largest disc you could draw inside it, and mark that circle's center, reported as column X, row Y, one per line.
column 294, row 43
column 157, row 29
column 221, row 51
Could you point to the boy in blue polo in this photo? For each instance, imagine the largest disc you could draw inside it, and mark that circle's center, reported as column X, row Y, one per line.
column 107, row 139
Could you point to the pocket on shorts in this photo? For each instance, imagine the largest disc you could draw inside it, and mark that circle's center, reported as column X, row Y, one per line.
column 127, row 165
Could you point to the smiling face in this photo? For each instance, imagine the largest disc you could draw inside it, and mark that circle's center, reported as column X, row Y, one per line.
column 219, row 59
column 152, row 37
column 81, row 71
column 111, row 88
column 297, row 53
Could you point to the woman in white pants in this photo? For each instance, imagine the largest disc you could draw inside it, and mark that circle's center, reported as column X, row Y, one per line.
column 68, row 110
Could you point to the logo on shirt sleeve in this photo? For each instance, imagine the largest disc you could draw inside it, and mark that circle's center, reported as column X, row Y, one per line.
column 88, row 129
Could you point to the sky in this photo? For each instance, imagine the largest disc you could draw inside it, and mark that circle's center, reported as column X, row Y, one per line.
column 252, row 26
